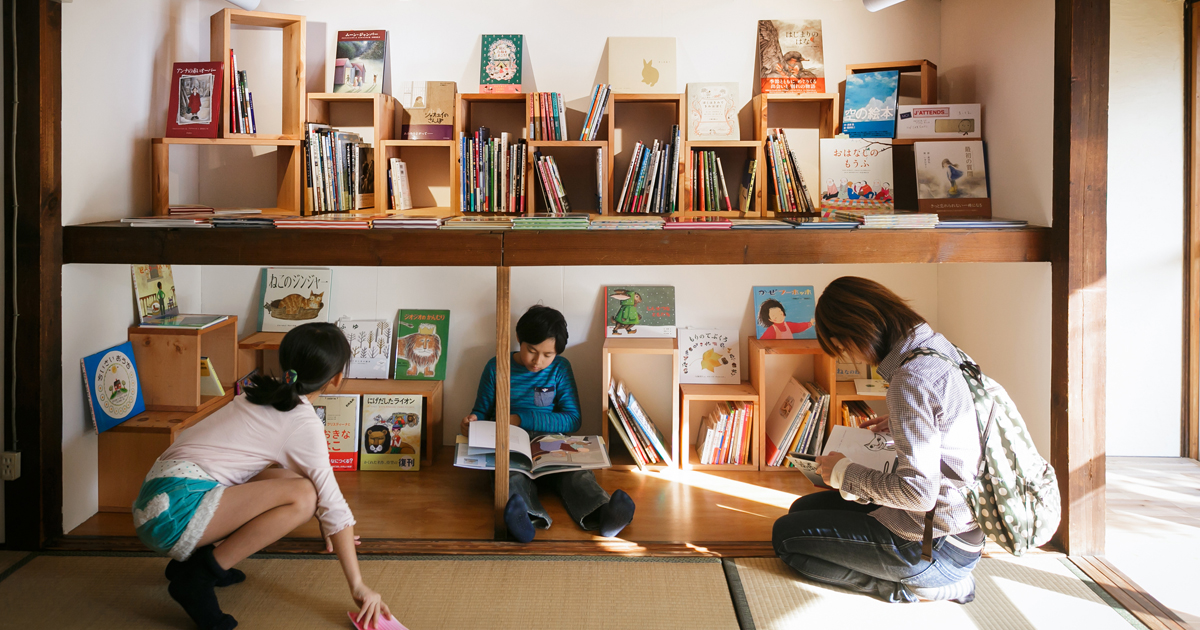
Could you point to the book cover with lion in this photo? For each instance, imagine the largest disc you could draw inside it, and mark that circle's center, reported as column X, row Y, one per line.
column 421, row 337
column 391, row 432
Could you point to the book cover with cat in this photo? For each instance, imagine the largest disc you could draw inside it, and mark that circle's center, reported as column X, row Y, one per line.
column 870, row 109
column 500, row 59
column 339, row 414
column 784, row 312
column 291, row 296
column 391, row 432
column 370, row 347
column 712, row 111
column 639, row 311
column 361, row 62
column 114, row 393
column 952, row 179
column 791, row 56
column 857, row 175
column 426, row 109
column 421, row 337
column 709, row 356
column 642, row 65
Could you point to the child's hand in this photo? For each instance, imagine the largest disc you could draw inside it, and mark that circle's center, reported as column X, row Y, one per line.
column 371, row 607
column 466, row 424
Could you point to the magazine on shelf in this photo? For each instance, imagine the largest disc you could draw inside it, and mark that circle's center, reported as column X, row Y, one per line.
column 532, row 457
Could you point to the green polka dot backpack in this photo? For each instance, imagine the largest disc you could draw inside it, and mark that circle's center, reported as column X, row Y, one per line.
column 1014, row 495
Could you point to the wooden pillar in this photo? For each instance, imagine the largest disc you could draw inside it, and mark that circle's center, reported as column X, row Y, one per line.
column 1190, row 434
column 1079, row 266
column 33, row 503
column 503, row 315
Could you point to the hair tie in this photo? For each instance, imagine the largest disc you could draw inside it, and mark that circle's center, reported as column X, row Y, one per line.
column 290, row 377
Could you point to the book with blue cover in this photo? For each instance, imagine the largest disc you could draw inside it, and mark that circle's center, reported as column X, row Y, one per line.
column 784, row 312
column 870, row 110
column 113, row 390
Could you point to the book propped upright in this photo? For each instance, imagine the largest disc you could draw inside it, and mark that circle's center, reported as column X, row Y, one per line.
column 500, row 60
column 339, row 413
column 114, row 392
column 537, row 457
column 158, row 304
column 790, row 55
column 361, row 62
column 195, row 100
column 210, row 384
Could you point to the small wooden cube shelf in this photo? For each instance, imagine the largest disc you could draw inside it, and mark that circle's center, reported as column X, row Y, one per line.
column 294, row 86
column 927, row 69
column 168, row 362
column 427, row 161
column 621, row 458
column 338, row 110
column 824, row 374
column 735, row 156
column 500, row 113
column 816, row 116
column 692, row 394
column 624, row 109
column 289, row 169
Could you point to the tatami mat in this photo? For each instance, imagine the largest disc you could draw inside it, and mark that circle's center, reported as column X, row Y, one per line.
column 10, row 558
column 111, row 592
column 1034, row 592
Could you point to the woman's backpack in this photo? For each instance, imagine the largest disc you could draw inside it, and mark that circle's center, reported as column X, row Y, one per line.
column 1014, row 495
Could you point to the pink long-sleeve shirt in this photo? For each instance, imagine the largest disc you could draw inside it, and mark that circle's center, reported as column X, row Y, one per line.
column 242, row 439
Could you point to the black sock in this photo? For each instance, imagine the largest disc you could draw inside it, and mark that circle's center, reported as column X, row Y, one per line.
column 516, row 517
column 616, row 514
column 192, row 584
column 234, row 576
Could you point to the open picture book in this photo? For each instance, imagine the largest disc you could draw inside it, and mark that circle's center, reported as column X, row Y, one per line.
column 543, row 455
column 861, row 446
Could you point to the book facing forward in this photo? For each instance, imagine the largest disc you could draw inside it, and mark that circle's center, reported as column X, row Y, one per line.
column 361, row 61
column 790, row 56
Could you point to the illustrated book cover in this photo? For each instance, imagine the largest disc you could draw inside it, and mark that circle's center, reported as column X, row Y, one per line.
column 790, row 56
column 784, row 312
column 195, row 109
column 782, row 423
column 500, row 58
column 939, row 121
column 870, row 387
column 857, row 174
column 370, row 347
column 870, row 109
column 712, row 111
column 533, row 457
column 210, row 383
column 426, row 109
column 360, row 63
column 709, row 356
column 639, row 311
column 154, row 290
column 391, row 432
column 642, row 65
column 339, row 414
column 952, row 179
column 861, row 446
column 421, row 347
column 113, row 390
column 290, row 296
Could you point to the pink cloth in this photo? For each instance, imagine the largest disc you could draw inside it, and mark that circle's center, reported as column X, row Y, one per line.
column 242, row 439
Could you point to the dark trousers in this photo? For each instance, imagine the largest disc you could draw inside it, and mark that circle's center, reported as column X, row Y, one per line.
column 581, row 495
column 834, row 541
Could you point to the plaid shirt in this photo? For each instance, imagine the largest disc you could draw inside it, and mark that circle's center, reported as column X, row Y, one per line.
column 932, row 418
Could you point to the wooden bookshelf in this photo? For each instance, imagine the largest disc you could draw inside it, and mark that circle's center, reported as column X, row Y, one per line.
column 431, row 174
column 824, row 375
column 169, row 364
column 294, row 87
column 619, row 454
column 735, row 156
column 927, row 88
column 693, row 395
column 816, row 116
column 372, row 116
column 288, row 173
column 644, row 117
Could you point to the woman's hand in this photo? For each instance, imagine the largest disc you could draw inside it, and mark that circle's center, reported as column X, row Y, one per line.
column 878, row 425
column 466, row 424
column 826, row 464
column 370, row 606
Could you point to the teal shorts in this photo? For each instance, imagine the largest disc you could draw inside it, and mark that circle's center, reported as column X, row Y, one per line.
column 174, row 507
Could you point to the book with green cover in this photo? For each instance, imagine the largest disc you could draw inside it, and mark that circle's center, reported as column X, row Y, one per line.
column 500, row 63
column 421, row 337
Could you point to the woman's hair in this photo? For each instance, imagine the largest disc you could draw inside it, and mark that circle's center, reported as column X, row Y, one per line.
column 764, row 312
column 865, row 318
column 310, row 355
column 540, row 323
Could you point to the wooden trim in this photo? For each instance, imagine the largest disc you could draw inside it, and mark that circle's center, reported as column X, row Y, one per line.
column 503, row 332
column 1128, row 594
column 1190, row 426
column 1078, row 285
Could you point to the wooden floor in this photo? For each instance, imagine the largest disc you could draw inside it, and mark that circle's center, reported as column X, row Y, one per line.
column 447, row 503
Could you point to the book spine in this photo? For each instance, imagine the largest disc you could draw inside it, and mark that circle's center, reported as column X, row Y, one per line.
column 584, row 134
column 253, row 125
column 232, row 93
column 637, row 147
column 724, row 184
column 651, row 178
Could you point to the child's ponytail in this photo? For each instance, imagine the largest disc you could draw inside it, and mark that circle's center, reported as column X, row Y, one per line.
column 310, row 356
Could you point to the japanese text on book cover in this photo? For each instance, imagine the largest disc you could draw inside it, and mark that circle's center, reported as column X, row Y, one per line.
column 639, row 311
column 391, row 432
column 952, row 178
column 291, row 296
column 421, row 347
column 500, row 63
column 339, row 414
column 870, row 110
column 709, row 356
column 784, row 312
column 857, row 175
column 361, row 61
column 791, row 56
column 370, row 347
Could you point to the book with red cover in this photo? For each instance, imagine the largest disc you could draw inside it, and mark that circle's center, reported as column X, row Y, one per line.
column 195, row 100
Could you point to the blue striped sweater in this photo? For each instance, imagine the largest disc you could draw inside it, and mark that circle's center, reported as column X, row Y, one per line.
column 546, row 401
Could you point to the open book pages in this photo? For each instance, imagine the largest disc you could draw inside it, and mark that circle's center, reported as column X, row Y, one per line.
column 540, row 455
column 861, row 446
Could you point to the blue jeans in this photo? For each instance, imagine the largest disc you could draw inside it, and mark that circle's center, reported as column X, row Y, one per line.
column 580, row 493
column 834, row 541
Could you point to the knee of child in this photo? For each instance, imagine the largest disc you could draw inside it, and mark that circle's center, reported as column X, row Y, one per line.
column 305, row 497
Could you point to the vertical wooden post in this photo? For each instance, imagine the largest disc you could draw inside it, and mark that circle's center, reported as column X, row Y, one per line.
column 160, row 176
column 1079, row 291
column 503, row 315
column 1190, row 429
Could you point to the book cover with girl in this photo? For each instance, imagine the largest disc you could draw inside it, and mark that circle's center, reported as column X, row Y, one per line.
column 784, row 312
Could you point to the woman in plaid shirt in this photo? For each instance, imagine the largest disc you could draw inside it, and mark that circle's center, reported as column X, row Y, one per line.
column 866, row 535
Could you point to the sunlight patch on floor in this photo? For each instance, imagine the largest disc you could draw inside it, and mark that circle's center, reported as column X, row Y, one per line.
column 720, row 485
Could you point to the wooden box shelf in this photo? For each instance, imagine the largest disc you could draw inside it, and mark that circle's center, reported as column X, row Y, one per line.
column 294, row 86
column 358, row 113
column 927, row 85
column 735, row 156
column 815, row 116
column 431, row 166
column 845, row 392
column 500, row 113
column 824, row 374
column 692, row 395
column 288, row 170
column 621, row 458
column 645, row 118
column 168, row 362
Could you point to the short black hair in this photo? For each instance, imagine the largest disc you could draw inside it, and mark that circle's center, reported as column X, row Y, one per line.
column 540, row 323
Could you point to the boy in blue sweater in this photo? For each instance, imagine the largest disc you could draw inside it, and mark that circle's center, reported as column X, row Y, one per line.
column 544, row 400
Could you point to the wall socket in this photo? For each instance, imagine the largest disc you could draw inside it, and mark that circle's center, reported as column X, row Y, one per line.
column 10, row 466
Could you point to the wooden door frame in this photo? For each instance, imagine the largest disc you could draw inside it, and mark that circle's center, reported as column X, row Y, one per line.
column 1190, row 426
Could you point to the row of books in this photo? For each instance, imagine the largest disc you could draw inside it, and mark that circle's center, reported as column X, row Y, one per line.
column 491, row 172
column 856, row 412
column 709, row 190
column 599, row 99
column 786, row 181
column 652, row 179
column 241, row 99
column 399, row 191
column 636, row 430
column 340, row 170
column 797, row 423
column 547, row 116
column 724, row 436
column 553, row 192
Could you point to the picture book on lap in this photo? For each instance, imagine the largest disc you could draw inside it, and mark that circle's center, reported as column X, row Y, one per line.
column 784, row 312
column 870, row 110
column 391, row 432
column 421, row 344
column 861, row 446
column 370, row 347
column 500, row 59
column 536, row 457
column 709, row 356
column 113, row 390
column 194, row 112
column 339, row 414
column 291, row 296
column 639, row 311
column 361, row 61
column 790, row 56
column 952, row 178
column 856, row 174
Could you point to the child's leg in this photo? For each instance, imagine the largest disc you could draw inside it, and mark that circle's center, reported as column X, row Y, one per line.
column 256, row 514
column 589, row 505
column 524, row 487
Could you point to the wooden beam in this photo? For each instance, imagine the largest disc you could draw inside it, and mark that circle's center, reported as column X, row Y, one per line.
column 34, row 501
column 1077, row 368
column 503, row 315
column 1190, row 427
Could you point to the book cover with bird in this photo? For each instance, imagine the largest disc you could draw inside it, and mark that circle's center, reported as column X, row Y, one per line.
column 790, row 56
column 639, row 311
column 952, row 179
column 708, row 355
column 870, row 110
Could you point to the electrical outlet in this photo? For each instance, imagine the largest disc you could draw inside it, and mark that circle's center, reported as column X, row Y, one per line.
column 10, row 466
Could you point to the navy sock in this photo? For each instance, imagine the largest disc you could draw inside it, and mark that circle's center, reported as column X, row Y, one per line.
column 616, row 514
column 192, row 584
column 516, row 518
column 233, row 576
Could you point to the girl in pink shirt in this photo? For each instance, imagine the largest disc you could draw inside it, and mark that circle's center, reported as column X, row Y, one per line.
column 215, row 483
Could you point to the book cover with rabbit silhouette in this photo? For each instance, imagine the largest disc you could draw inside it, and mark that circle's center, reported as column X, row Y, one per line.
column 791, row 56
column 391, row 431
column 421, row 337
column 642, row 65
column 639, row 311
column 291, row 296
column 952, row 178
column 708, row 355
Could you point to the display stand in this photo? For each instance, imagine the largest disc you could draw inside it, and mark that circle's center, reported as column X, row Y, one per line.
column 692, row 395
column 621, row 458
column 168, row 361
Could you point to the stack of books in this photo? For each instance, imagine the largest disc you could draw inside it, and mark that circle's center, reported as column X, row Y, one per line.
column 806, row 431
column 632, row 222
column 241, row 100
column 408, row 223
column 856, row 412
column 652, row 179
column 547, row 116
column 167, row 222
column 599, row 98
column 787, row 182
column 492, row 172
column 709, row 190
column 340, row 221
column 889, row 220
column 553, row 192
column 817, row 223
column 697, row 223
column 635, row 429
column 547, row 221
column 190, row 210
column 340, row 169
column 760, row 224
column 242, row 221
column 980, row 224
column 724, row 436
column 475, row 222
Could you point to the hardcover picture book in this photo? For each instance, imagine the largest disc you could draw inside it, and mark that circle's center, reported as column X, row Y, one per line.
column 857, row 175
column 709, row 356
column 861, row 446
column 641, row 65
column 952, row 179
column 712, row 111
column 154, row 290
column 939, row 121
column 426, row 109
column 114, row 393
column 360, row 61
column 391, row 432
column 290, row 296
column 533, row 457
column 639, row 311
column 194, row 112
column 790, row 56
column 870, row 110
column 784, row 312
column 421, row 344
column 370, row 347
column 781, row 425
column 500, row 58
column 339, row 414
